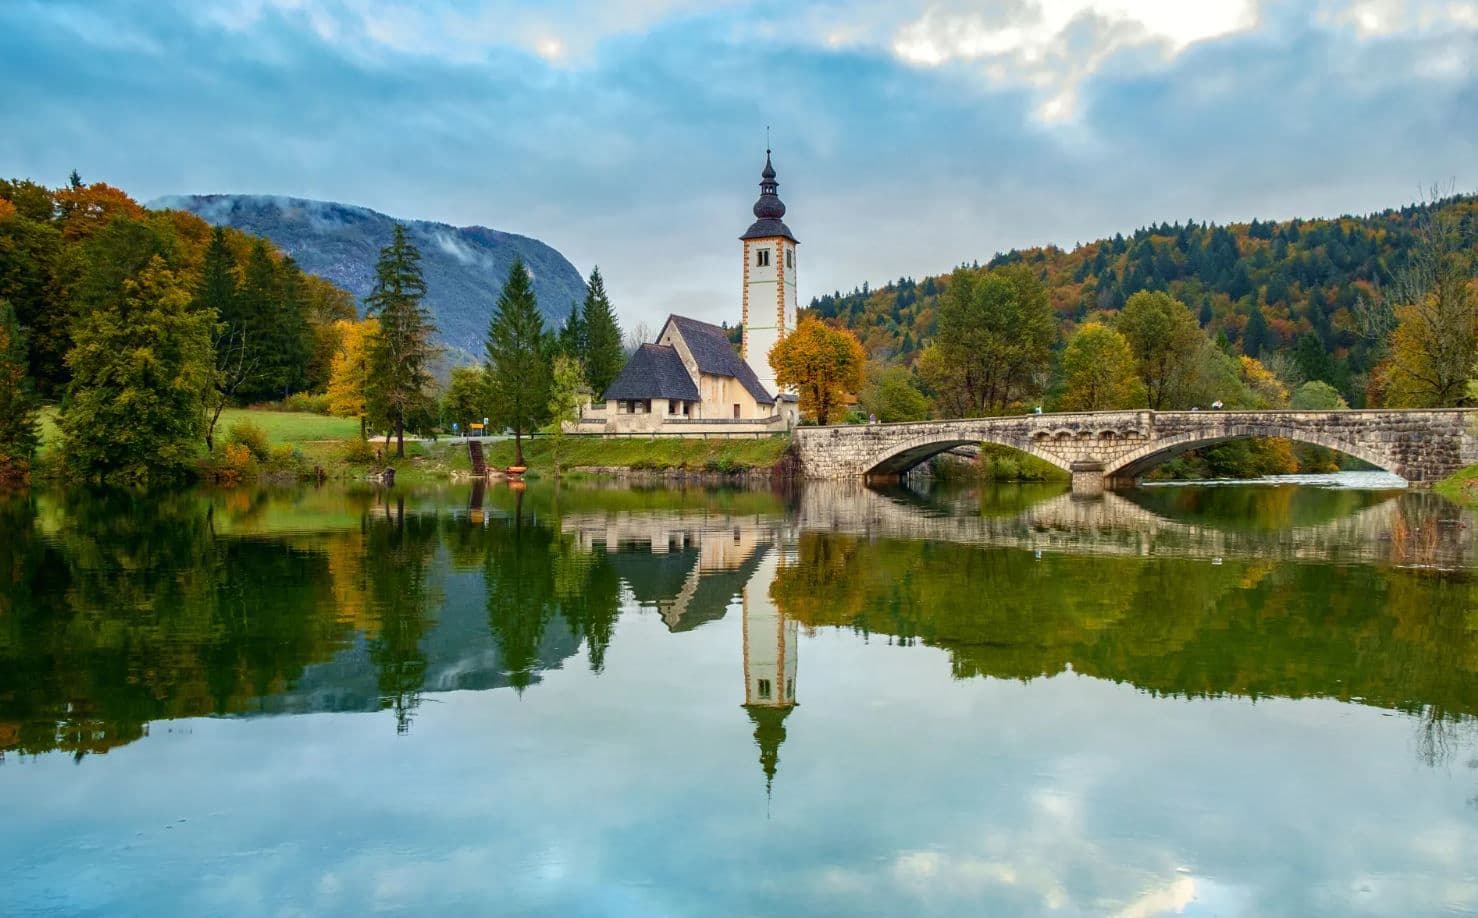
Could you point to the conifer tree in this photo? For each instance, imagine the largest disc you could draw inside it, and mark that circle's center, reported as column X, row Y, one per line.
column 604, row 356
column 252, row 313
column 236, row 364
column 518, row 373
column 1255, row 335
column 571, row 339
column 18, row 406
column 289, row 338
column 399, row 380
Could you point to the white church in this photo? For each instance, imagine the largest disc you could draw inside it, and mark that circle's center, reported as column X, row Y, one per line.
column 690, row 380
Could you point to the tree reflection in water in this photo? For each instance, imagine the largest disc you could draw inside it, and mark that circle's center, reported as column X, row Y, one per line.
column 118, row 608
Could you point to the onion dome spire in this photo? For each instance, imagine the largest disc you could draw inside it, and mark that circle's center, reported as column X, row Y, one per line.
column 769, row 210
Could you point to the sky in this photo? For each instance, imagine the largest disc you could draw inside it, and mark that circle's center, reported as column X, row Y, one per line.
column 909, row 136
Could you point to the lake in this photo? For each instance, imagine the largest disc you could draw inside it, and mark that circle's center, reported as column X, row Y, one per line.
column 827, row 700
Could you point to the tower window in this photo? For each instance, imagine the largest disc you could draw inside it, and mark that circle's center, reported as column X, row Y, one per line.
column 790, row 258
column 762, row 688
column 762, row 258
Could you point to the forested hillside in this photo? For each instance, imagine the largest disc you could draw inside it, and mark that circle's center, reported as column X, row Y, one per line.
column 1287, row 292
column 70, row 253
column 464, row 266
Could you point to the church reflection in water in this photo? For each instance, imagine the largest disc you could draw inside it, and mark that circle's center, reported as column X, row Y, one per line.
column 343, row 601
column 691, row 569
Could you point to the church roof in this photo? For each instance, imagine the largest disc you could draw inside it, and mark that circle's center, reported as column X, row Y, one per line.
column 715, row 356
column 654, row 371
column 769, row 209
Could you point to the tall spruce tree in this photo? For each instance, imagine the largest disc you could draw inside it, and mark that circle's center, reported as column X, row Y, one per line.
column 18, row 406
column 400, row 354
column 290, row 339
column 571, row 339
column 1256, row 334
column 604, row 355
column 255, row 307
column 216, row 293
column 518, row 371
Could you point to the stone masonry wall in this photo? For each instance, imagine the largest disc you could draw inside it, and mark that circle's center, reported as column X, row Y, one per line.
column 1420, row 446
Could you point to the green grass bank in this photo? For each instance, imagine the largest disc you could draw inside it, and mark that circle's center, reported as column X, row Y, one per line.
column 297, row 444
column 724, row 456
column 1460, row 487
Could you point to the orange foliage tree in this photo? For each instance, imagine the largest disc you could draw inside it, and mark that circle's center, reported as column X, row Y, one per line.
column 823, row 364
column 86, row 208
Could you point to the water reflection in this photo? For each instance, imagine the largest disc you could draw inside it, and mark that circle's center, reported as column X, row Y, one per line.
column 121, row 609
column 120, row 613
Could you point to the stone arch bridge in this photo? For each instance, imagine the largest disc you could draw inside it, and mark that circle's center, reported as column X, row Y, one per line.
column 1117, row 447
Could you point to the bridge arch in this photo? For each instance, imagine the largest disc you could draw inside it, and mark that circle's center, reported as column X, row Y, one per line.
column 1137, row 462
column 899, row 458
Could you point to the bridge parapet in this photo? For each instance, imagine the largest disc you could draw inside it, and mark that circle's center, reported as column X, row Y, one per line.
column 1420, row 446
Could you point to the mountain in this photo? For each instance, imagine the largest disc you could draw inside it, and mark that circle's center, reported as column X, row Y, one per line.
column 1263, row 288
column 464, row 266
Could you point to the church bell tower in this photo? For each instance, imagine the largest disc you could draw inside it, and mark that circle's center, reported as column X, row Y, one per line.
column 769, row 279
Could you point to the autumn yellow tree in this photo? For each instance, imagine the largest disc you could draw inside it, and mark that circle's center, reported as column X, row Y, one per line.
column 823, row 364
column 1099, row 371
column 349, row 373
column 1432, row 308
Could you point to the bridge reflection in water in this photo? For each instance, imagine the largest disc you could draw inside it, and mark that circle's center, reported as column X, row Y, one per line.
column 1168, row 590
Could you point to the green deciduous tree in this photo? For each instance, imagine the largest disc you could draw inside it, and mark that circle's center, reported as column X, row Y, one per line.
column 892, row 397
column 30, row 258
column 566, row 389
column 603, row 353
column 400, row 354
column 994, row 343
column 142, row 371
column 1165, row 340
column 1317, row 395
column 518, row 373
column 18, row 406
column 1099, row 372
column 466, row 398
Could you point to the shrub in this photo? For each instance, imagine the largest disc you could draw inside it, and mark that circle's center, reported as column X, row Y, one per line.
column 359, row 452
column 1004, row 468
column 227, row 467
column 285, row 458
column 249, row 435
column 313, row 403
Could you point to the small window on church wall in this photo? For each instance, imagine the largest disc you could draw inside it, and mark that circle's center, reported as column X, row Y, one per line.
column 790, row 258
column 736, row 411
column 762, row 686
column 762, row 258
column 672, row 406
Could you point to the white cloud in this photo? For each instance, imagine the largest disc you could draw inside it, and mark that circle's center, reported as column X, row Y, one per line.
column 1379, row 18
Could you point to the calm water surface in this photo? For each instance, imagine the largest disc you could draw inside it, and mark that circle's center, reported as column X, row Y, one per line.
column 612, row 702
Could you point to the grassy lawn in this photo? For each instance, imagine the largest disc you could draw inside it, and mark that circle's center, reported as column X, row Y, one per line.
column 329, row 442
column 645, row 453
column 281, row 426
column 290, row 426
